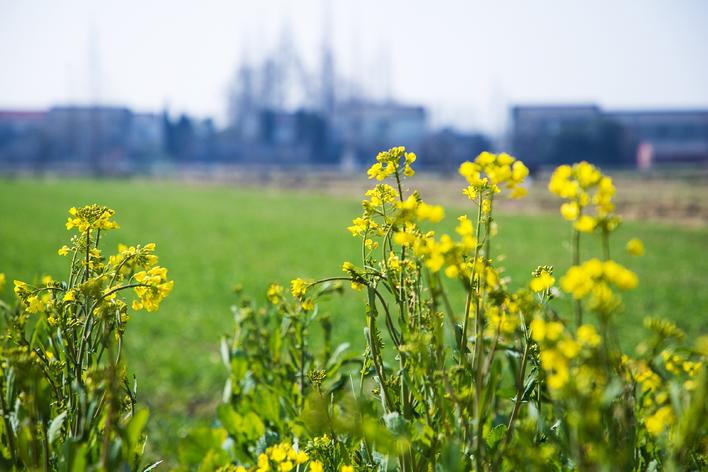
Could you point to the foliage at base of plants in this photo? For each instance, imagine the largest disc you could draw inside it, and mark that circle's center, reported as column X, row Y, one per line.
column 66, row 398
column 507, row 381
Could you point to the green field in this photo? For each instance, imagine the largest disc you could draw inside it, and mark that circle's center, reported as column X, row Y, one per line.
column 212, row 236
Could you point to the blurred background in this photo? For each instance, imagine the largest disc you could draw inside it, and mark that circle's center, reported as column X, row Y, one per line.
column 235, row 135
column 124, row 88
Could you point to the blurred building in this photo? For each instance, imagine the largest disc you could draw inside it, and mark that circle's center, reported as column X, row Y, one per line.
column 666, row 136
column 447, row 148
column 551, row 135
column 22, row 139
column 86, row 139
column 362, row 129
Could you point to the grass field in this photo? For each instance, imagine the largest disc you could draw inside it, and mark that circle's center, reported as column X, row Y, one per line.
column 212, row 236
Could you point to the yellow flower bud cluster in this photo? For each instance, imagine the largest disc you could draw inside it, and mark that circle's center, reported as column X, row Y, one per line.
column 583, row 185
column 274, row 294
column 656, row 383
column 500, row 321
column 153, row 288
column 131, row 258
column 593, row 277
column 445, row 251
column 32, row 298
column 388, row 163
column 357, row 279
column 91, row 217
column 678, row 364
column 493, row 171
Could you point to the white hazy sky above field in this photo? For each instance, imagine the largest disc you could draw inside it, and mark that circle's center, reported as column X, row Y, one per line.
column 466, row 60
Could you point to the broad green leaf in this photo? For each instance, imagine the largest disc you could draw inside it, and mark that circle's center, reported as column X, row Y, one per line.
column 55, row 427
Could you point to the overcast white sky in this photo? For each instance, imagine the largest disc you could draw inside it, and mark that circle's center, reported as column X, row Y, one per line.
column 466, row 60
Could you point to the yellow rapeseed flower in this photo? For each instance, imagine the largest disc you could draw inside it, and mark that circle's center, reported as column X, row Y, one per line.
column 301, row 457
column 63, row 251
column 570, row 211
column 153, row 288
column 308, row 305
column 543, row 282
column 569, row 348
column 34, row 304
column 657, row 422
column 432, row 213
column 316, row 466
column 587, row 336
column 635, row 247
column 545, row 331
column 263, row 462
column 622, row 278
column 286, row 466
column 21, row 288
column 585, row 224
column 2, row 280
column 274, row 293
column 556, row 367
column 91, row 217
column 298, row 287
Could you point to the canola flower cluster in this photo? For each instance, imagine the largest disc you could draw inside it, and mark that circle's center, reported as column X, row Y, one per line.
column 96, row 276
column 389, row 162
column 562, row 354
column 593, row 278
column 656, row 379
column 494, row 172
column 152, row 289
column 131, row 258
column 584, row 187
column 91, row 217
column 542, row 280
column 386, row 213
column 284, row 457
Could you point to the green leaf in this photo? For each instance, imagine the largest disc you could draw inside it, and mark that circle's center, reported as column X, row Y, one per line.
column 225, row 352
column 55, row 427
column 136, row 426
column 194, row 448
column 494, row 435
column 253, row 427
column 230, row 420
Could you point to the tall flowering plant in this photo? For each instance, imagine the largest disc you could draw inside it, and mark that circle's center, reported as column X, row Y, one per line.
column 67, row 402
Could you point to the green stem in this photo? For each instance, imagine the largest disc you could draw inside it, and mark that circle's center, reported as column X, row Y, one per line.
column 468, row 300
column 517, row 405
column 6, row 420
column 576, row 261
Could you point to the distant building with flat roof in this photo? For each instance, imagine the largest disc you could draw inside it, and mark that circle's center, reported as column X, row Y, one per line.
column 22, row 140
column 557, row 134
column 670, row 136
